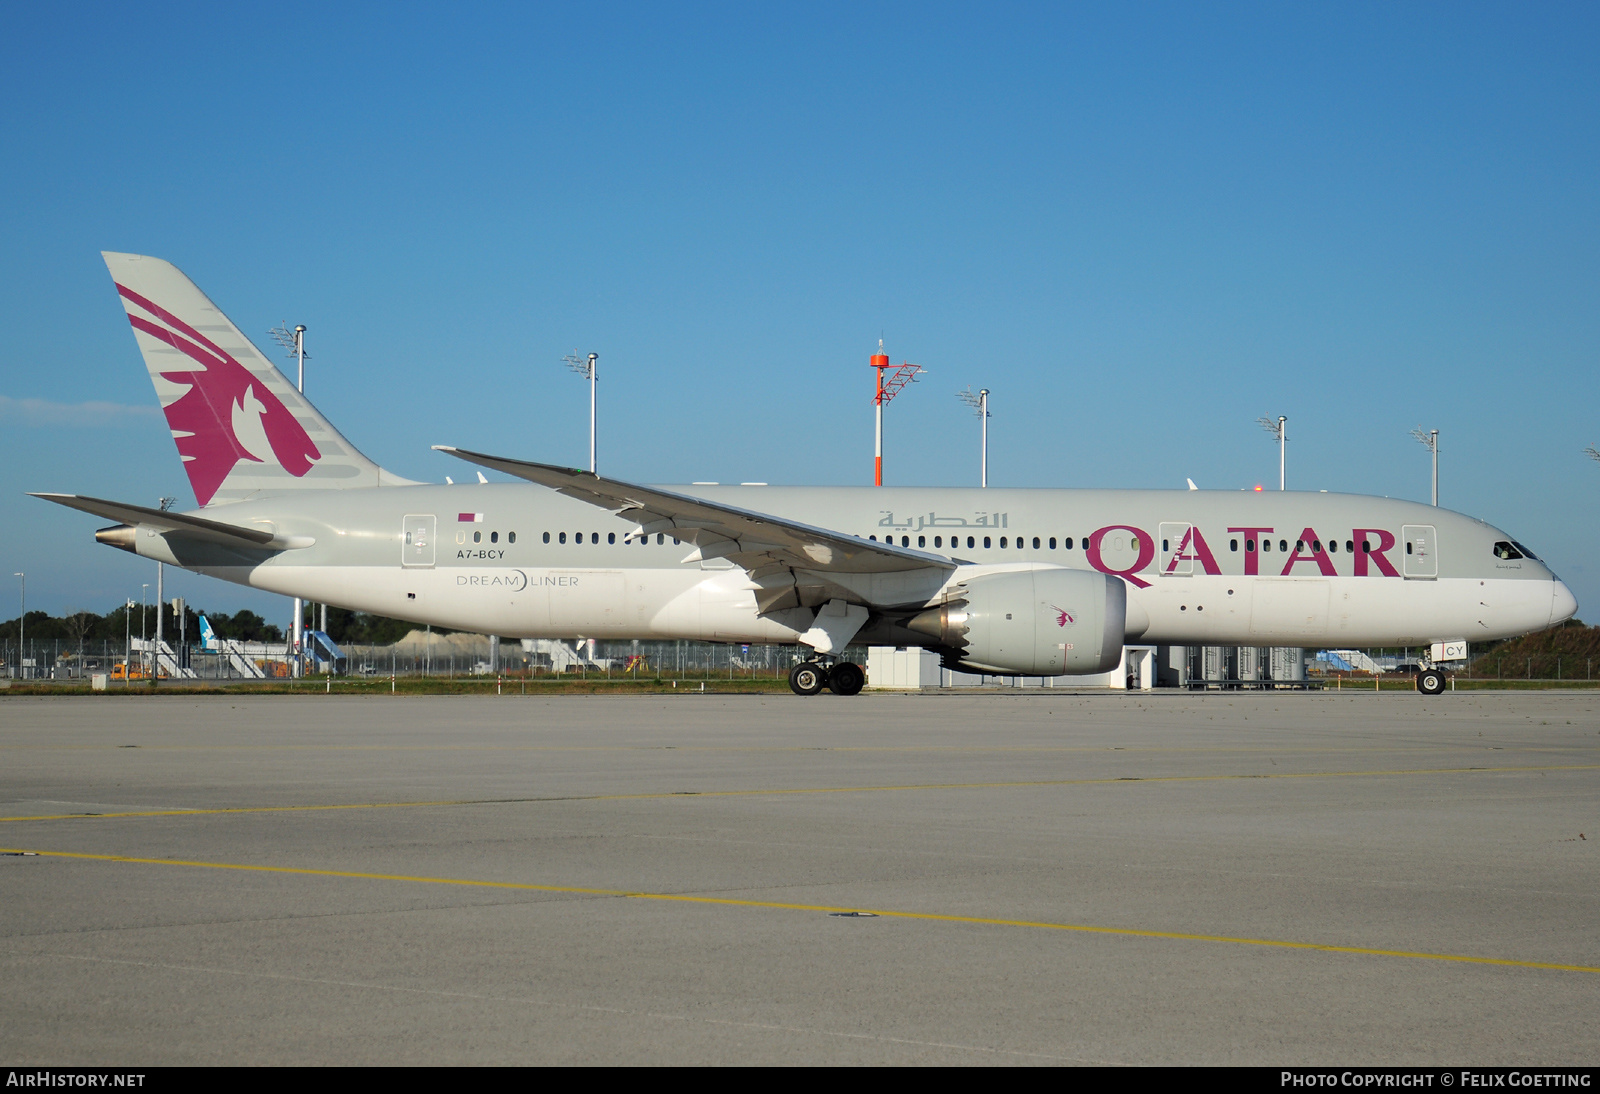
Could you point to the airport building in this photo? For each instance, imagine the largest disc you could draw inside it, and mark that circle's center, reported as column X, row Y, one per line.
column 891, row 668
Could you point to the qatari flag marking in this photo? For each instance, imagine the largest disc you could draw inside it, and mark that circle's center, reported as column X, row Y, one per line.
column 469, row 518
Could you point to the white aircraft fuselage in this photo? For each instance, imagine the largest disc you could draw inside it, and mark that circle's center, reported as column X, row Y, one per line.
column 522, row 561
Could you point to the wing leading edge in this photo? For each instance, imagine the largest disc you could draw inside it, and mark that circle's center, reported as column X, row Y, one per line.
column 789, row 562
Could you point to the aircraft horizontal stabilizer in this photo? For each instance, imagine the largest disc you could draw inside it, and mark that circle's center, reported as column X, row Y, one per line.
column 162, row 521
column 756, row 542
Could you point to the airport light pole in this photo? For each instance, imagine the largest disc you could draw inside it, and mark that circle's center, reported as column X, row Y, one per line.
column 144, row 645
column 1430, row 439
column 587, row 367
column 1279, row 430
column 22, row 626
column 294, row 343
column 161, row 619
column 980, row 403
column 898, row 378
column 127, row 639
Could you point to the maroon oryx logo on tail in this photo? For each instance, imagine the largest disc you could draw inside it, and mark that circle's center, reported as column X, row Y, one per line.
column 227, row 415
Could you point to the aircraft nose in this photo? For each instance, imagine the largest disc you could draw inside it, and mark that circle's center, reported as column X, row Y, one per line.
column 1563, row 605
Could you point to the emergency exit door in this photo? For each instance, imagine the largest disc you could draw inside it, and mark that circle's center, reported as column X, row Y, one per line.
column 416, row 540
column 1421, row 547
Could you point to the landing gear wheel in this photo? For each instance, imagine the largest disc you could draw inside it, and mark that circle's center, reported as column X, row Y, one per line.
column 1430, row 682
column 807, row 678
column 846, row 679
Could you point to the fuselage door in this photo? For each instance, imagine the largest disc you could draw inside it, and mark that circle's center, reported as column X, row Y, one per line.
column 1177, row 557
column 417, row 539
column 1422, row 550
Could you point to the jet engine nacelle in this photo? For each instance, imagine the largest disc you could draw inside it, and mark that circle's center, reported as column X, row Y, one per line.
column 1040, row 622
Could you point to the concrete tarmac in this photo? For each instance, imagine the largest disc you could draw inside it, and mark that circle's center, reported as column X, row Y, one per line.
column 1279, row 879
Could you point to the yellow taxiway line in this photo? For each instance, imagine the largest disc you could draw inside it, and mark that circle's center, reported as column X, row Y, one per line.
column 685, row 898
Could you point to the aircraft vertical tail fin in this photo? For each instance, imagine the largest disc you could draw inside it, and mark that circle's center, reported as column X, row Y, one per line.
column 208, row 637
column 241, row 428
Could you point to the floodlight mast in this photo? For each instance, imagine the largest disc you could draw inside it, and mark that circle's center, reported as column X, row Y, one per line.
column 294, row 343
column 1430, row 439
column 587, row 367
column 899, row 377
column 980, row 403
column 165, row 504
column 1279, row 430
column 22, row 626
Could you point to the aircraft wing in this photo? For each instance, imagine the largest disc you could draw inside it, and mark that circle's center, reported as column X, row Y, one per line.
column 212, row 531
column 770, row 549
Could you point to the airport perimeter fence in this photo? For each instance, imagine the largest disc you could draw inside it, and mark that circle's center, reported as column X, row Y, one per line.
column 449, row 656
column 469, row 655
column 677, row 660
column 55, row 659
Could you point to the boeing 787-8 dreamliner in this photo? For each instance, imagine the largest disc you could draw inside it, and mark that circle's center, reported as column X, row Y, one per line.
column 1027, row 582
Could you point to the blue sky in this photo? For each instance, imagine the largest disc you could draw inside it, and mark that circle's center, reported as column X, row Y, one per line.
column 1142, row 226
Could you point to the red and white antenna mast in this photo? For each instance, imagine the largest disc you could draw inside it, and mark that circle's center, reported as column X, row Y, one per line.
column 888, row 387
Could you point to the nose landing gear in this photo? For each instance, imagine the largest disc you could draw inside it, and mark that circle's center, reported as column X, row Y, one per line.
column 1430, row 682
column 843, row 678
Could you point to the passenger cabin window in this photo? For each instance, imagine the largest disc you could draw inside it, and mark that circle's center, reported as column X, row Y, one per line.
column 1036, row 543
column 1002, row 541
column 986, row 541
column 1052, row 543
column 477, row 537
column 494, row 537
column 1506, row 551
column 563, row 537
column 1283, row 545
column 970, row 542
column 511, row 537
column 547, row 537
column 922, row 541
column 1067, row 543
column 938, row 541
column 611, row 537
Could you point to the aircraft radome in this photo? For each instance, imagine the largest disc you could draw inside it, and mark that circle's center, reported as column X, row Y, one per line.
column 1026, row 582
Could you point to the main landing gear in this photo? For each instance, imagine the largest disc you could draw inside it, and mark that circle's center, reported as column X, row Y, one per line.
column 843, row 678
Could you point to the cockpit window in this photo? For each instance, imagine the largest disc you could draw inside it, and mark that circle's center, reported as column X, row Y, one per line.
column 1524, row 550
column 1507, row 551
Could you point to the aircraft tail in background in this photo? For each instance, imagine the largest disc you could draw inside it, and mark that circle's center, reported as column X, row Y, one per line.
column 208, row 637
column 241, row 428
